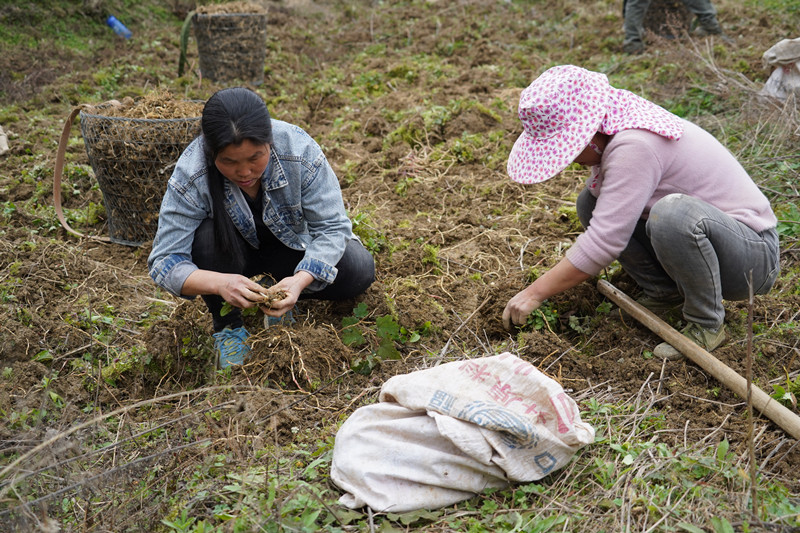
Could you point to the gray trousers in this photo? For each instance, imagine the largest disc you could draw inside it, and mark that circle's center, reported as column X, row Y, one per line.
column 691, row 248
column 635, row 11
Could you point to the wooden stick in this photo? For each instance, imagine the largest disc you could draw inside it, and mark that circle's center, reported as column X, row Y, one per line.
column 768, row 406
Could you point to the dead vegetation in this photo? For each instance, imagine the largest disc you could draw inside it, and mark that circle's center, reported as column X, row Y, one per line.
column 113, row 415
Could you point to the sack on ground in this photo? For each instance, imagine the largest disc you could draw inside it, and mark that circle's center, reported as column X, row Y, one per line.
column 442, row 435
column 785, row 78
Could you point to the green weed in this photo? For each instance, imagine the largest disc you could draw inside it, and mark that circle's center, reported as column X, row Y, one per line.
column 787, row 393
column 373, row 239
column 431, row 257
column 7, row 211
column 545, row 317
column 788, row 220
column 125, row 362
column 569, row 215
column 379, row 337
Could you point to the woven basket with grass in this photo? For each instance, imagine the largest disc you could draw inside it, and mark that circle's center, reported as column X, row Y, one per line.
column 132, row 160
column 231, row 46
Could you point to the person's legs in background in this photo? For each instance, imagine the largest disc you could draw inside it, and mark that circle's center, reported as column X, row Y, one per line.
column 633, row 25
column 706, row 15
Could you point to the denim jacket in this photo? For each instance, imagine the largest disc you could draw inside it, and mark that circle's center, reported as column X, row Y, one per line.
column 303, row 207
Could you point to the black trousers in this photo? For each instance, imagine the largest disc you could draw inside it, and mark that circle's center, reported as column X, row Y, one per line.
column 356, row 269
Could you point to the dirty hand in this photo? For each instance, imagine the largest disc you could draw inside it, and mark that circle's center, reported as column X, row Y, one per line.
column 292, row 286
column 518, row 308
column 238, row 290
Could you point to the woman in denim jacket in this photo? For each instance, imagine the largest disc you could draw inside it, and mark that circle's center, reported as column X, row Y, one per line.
column 281, row 213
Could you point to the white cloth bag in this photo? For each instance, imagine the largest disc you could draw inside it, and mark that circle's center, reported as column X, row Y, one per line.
column 444, row 434
column 784, row 56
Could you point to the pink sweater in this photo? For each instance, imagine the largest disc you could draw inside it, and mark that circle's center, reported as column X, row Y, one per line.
column 639, row 168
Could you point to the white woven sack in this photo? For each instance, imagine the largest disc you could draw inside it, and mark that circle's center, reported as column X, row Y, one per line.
column 444, row 434
column 784, row 81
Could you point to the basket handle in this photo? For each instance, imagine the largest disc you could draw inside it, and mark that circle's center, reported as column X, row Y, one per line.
column 58, row 171
column 184, row 42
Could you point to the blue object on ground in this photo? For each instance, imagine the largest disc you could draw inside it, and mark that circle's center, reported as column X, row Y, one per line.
column 118, row 27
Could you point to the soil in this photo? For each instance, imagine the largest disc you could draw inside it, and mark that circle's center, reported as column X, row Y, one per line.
column 667, row 18
column 488, row 235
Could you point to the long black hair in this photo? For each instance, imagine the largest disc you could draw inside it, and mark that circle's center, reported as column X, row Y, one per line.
column 230, row 117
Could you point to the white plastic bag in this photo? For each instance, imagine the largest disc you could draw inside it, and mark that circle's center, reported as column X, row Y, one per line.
column 3, row 141
column 785, row 78
column 444, row 434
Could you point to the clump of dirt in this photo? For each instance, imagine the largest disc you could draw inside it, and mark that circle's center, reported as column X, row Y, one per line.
column 667, row 18
column 180, row 340
column 298, row 357
column 268, row 295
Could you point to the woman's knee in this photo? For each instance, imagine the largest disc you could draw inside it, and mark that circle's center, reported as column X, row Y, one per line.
column 360, row 267
column 673, row 215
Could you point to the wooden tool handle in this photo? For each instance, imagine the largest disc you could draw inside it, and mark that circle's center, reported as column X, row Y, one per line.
column 767, row 405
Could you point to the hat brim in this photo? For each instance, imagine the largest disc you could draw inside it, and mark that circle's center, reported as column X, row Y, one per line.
column 534, row 160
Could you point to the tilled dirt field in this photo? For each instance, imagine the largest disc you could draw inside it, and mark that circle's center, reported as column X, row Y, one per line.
column 454, row 239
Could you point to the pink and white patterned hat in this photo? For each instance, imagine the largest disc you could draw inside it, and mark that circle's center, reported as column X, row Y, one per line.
column 562, row 110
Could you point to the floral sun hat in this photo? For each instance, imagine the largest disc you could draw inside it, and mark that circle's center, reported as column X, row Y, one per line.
column 562, row 110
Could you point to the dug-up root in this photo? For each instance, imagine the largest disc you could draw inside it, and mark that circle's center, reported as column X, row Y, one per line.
column 296, row 357
column 267, row 297
column 267, row 294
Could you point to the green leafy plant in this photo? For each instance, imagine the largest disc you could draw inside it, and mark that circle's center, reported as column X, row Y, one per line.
column 372, row 238
column 431, row 257
column 546, row 316
column 436, row 117
column 787, row 393
column 8, row 210
column 227, row 308
column 181, row 524
column 380, row 338
column 44, row 356
column 125, row 361
column 604, row 308
column 788, row 220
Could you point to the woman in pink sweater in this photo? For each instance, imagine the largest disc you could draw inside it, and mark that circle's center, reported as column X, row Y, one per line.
column 664, row 197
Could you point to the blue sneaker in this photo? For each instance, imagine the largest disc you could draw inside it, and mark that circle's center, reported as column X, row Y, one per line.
column 287, row 319
column 230, row 346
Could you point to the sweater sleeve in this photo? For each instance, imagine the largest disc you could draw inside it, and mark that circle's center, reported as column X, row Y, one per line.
column 639, row 168
column 629, row 174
